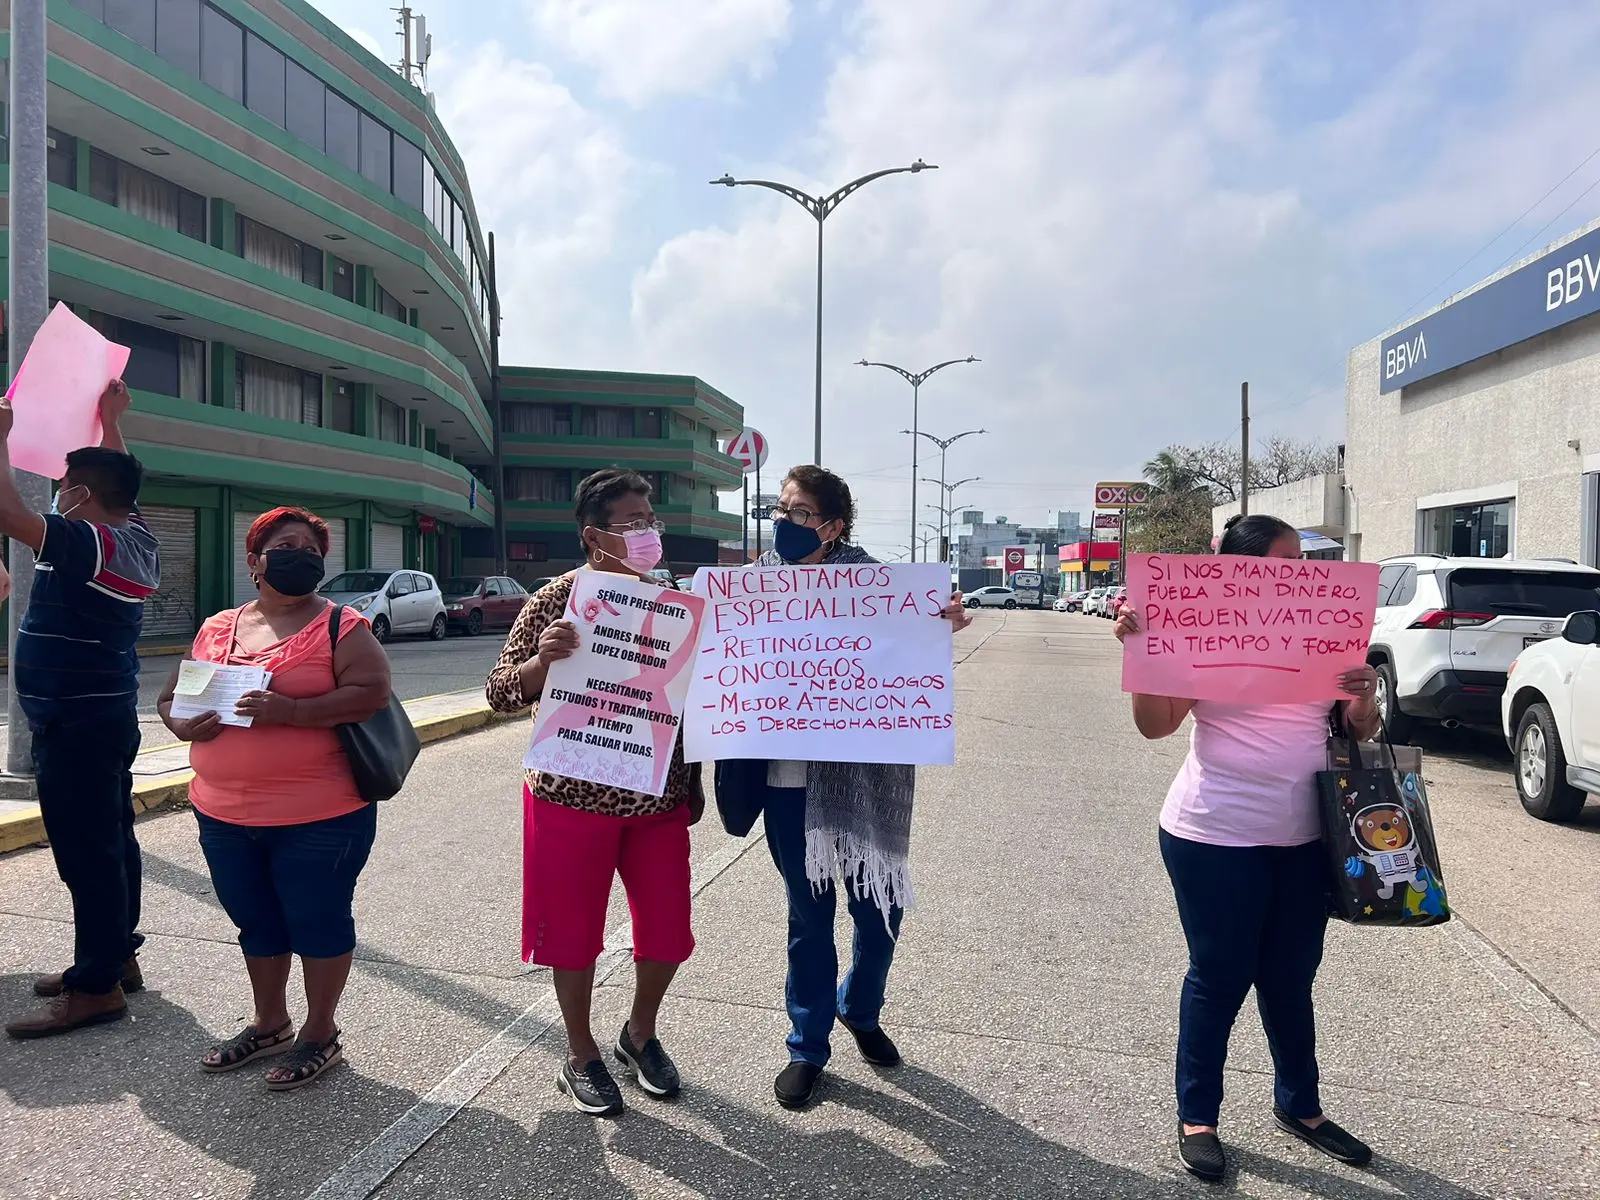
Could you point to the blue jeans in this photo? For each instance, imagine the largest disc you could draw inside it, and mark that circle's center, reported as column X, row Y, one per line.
column 813, row 993
column 1251, row 915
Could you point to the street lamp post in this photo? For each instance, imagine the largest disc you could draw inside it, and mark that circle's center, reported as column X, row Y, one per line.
column 916, row 381
column 821, row 208
column 949, row 490
column 944, row 445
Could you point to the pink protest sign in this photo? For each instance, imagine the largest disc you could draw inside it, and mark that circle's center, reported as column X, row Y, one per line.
column 56, row 393
column 610, row 713
column 1246, row 630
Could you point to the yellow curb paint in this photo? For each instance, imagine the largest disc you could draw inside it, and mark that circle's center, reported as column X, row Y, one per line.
column 26, row 827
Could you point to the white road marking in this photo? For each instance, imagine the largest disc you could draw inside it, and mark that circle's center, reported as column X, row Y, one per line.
column 372, row 1165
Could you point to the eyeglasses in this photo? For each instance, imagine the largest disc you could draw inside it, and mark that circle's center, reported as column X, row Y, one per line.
column 798, row 515
column 639, row 526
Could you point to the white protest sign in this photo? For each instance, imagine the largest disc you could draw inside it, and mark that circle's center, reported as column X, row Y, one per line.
column 844, row 663
column 610, row 713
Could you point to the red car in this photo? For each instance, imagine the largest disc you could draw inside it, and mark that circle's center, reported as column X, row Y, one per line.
column 474, row 603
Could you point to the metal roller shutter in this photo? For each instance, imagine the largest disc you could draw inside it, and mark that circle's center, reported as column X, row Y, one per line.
column 244, row 588
column 388, row 547
column 333, row 562
column 170, row 614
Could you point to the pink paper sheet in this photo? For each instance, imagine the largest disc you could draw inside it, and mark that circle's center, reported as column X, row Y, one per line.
column 56, row 393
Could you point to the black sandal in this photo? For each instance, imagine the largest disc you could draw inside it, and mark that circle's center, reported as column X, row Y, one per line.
column 247, row 1045
column 307, row 1061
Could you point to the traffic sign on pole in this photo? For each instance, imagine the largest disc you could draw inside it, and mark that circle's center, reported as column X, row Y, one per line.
column 749, row 449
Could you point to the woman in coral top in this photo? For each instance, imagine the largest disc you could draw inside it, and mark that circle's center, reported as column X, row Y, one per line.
column 284, row 830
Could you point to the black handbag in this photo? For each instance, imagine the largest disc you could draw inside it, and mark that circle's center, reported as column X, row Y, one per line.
column 741, row 785
column 382, row 748
column 1377, row 830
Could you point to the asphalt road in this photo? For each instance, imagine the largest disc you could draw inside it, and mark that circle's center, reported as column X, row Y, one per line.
column 1034, row 998
column 420, row 668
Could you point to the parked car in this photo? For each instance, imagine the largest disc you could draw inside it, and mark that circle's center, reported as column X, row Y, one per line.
column 1093, row 600
column 1448, row 630
column 1550, row 714
column 394, row 601
column 1076, row 599
column 473, row 603
column 1063, row 602
column 992, row 597
column 1111, row 603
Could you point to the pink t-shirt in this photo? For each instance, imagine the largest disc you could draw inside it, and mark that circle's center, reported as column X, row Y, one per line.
column 1250, row 778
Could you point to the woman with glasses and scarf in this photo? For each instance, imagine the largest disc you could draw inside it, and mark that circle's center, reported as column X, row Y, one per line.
column 578, row 835
column 826, row 820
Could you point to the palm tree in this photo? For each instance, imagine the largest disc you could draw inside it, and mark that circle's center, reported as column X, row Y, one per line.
column 1170, row 474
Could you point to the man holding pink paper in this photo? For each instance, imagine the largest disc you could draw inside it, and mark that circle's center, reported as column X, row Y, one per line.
column 77, row 675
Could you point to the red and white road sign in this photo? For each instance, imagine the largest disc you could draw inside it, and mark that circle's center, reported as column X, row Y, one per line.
column 750, row 448
column 1016, row 558
column 1121, row 495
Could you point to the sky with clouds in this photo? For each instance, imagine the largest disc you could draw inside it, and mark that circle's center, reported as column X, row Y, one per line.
column 1137, row 206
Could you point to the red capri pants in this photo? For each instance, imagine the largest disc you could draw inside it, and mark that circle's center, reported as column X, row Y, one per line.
column 569, row 858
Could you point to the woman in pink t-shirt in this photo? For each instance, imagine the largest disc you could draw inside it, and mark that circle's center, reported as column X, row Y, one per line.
column 1240, row 839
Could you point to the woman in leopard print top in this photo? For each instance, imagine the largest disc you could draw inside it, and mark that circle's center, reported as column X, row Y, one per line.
column 578, row 835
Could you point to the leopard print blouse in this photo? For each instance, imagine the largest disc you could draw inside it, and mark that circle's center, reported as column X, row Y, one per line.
column 504, row 691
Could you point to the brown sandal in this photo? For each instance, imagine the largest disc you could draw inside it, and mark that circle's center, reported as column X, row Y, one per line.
column 248, row 1045
column 306, row 1063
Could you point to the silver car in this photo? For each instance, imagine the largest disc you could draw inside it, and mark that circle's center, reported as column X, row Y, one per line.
column 394, row 601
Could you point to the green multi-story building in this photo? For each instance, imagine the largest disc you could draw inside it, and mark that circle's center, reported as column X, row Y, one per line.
column 279, row 226
column 557, row 426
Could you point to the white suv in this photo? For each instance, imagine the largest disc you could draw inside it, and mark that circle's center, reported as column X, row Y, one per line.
column 1551, row 719
column 992, row 597
column 1448, row 629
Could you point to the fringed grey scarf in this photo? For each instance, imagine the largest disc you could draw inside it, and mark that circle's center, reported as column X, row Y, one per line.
column 858, row 815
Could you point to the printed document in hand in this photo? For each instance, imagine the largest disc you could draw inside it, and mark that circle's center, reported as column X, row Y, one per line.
column 205, row 687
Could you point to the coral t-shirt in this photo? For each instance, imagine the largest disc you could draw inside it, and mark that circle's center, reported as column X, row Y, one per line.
column 275, row 774
column 1250, row 778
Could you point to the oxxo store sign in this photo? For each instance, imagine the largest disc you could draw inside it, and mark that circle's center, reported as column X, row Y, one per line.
column 1549, row 292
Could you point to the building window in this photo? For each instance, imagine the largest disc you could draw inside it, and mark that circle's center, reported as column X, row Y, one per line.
column 1468, row 531
column 344, row 280
column 149, row 197
column 375, row 152
column 270, row 389
column 607, row 422
column 528, row 552
column 266, row 247
column 390, row 307
column 548, row 420
column 539, row 484
column 343, row 416
column 343, row 130
column 650, row 423
column 222, row 54
column 61, row 158
column 160, row 361
column 392, row 422
column 407, row 172
column 305, row 110
column 263, row 79
column 133, row 18
column 178, row 34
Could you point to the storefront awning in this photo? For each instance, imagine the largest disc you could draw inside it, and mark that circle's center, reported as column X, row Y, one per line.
column 1310, row 542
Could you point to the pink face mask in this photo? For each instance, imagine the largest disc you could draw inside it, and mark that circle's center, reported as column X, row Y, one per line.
column 644, row 550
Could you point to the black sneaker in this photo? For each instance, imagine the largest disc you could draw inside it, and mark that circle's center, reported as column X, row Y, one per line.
column 592, row 1089
column 874, row 1045
column 649, row 1063
column 796, row 1083
column 1327, row 1137
column 1202, row 1154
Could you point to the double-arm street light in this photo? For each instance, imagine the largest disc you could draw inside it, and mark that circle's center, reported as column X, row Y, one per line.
column 949, row 489
column 944, row 445
column 821, row 208
column 916, row 380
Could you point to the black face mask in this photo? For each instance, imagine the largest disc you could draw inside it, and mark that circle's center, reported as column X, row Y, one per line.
column 293, row 572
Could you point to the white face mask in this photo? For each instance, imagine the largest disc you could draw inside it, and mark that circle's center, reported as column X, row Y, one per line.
column 55, row 505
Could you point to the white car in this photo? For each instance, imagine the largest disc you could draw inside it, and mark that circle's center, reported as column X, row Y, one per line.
column 1551, row 717
column 992, row 597
column 1094, row 601
column 1063, row 603
column 1447, row 630
column 394, row 601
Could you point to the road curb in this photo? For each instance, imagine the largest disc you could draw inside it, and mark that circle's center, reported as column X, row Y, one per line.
column 24, row 828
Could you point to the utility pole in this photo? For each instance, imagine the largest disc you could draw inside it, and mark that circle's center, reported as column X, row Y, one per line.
column 1244, row 449
column 30, row 297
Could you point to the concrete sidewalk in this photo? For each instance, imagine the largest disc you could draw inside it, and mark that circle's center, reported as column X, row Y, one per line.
column 161, row 775
column 1034, row 997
